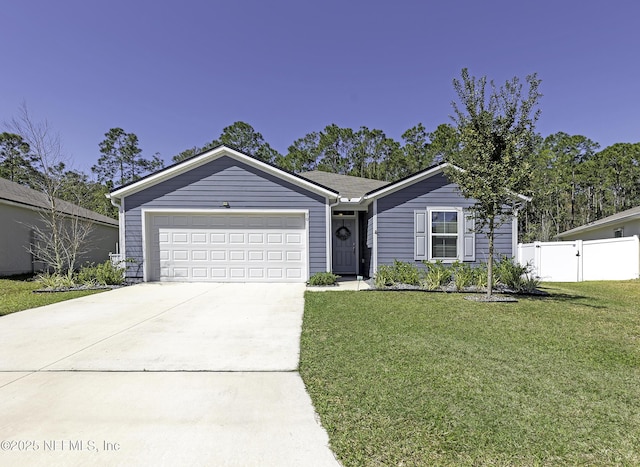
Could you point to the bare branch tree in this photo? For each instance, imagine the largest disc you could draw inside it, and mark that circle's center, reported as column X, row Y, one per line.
column 62, row 235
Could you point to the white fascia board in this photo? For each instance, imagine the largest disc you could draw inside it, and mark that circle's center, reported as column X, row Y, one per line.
column 209, row 156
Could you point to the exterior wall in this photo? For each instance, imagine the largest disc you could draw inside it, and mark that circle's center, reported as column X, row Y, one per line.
column 630, row 228
column 395, row 220
column 239, row 184
column 16, row 236
column 104, row 240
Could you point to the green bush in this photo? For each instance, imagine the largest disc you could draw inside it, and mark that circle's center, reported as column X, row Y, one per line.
column 399, row 273
column 437, row 275
column 406, row 273
column 462, row 275
column 323, row 278
column 384, row 277
column 101, row 274
column 515, row 276
column 481, row 276
column 55, row 281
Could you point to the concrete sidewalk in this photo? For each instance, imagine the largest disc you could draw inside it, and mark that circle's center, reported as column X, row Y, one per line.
column 159, row 374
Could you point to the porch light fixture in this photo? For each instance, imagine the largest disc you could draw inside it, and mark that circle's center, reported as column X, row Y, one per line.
column 225, row 204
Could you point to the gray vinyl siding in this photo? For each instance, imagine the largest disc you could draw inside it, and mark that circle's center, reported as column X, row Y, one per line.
column 396, row 220
column 239, row 184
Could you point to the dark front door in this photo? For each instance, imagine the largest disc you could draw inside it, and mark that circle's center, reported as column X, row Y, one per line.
column 344, row 246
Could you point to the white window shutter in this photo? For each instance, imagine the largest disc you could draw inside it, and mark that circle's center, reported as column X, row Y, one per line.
column 469, row 237
column 420, row 235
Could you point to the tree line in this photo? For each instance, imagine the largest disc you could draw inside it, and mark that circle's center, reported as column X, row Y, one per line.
column 573, row 181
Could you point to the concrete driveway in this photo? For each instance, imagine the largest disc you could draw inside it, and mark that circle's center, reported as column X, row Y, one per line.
column 159, row 374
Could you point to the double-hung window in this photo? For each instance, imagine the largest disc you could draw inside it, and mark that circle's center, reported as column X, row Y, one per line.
column 444, row 233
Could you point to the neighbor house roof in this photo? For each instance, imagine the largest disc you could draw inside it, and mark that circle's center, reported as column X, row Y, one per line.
column 629, row 214
column 19, row 194
column 347, row 185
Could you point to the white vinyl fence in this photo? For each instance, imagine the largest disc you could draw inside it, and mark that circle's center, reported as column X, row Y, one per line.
column 578, row 260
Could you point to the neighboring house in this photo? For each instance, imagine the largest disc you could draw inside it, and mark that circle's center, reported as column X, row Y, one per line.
column 21, row 208
column 226, row 216
column 622, row 224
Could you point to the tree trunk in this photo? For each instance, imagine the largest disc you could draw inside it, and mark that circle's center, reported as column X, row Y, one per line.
column 490, row 260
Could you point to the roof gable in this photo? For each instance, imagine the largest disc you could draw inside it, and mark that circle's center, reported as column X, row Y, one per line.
column 405, row 182
column 419, row 176
column 211, row 155
column 30, row 198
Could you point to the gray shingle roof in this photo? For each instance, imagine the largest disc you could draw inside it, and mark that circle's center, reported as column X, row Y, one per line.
column 14, row 192
column 347, row 185
column 620, row 216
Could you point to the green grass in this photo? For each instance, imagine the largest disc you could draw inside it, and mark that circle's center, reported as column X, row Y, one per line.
column 409, row 378
column 17, row 295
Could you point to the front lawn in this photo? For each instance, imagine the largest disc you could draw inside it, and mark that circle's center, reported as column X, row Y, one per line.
column 410, row 378
column 17, row 295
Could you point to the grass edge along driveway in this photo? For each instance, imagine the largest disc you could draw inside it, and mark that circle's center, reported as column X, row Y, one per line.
column 409, row 378
column 17, row 295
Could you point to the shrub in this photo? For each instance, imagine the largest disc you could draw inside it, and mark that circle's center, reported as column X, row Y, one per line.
column 384, row 276
column 54, row 281
column 480, row 276
column 101, row 274
column 437, row 275
column 323, row 278
column 406, row 273
column 399, row 273
column 509, row 273
column 462, row 275
column 515, row 276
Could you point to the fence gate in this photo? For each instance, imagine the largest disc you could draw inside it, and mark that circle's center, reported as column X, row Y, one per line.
column 575, row 261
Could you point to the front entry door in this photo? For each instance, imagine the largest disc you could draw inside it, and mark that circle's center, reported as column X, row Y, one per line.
column 344, row 246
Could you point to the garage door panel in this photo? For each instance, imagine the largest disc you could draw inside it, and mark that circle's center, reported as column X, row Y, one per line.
column 293, row 238
column 237, row 237
column 235, row 255
column 218, row 255
column 180, row 221
column 180, row 255
column 256, row 255
column 229, row 247
column 218, row 238
column 199, row 237
column 179, row 237
column 256, row 238
column 199, row 255
column 274, row 238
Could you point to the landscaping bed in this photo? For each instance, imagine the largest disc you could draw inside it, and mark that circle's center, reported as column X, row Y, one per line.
column 508, row 278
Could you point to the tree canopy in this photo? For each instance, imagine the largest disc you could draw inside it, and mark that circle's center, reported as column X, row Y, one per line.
column 121, row 161
column 496, row 133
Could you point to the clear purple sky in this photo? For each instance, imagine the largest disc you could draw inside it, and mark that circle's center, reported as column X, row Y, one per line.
column 176, row 73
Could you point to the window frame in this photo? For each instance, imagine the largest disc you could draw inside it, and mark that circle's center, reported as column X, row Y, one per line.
column 458, row 235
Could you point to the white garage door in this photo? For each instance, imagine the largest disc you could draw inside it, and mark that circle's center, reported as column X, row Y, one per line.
column 228, row 247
